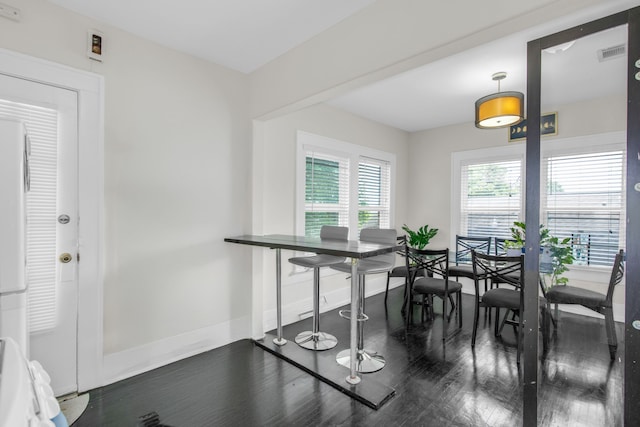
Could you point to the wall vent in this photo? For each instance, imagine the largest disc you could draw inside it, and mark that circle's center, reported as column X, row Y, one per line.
column 611, row 52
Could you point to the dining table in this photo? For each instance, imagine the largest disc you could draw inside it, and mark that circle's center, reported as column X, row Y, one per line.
column 369, row 392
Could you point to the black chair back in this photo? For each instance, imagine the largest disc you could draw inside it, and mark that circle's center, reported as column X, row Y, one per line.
column 498, row 269
column 466, row 244
column 617, row 273
column 432, row 261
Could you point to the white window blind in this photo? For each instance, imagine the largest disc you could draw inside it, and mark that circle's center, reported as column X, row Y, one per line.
column 42, row 126
column 326, row 191
column 373, row 193
column 490, row 197
column 584, row 200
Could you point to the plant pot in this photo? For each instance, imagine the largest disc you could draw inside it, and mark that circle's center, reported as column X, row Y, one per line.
column 515, row 251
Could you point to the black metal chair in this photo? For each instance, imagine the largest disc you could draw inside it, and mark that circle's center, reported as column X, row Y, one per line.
column 596, row 301
column 433, row 262
column 399, row 271
column 464, row 246
column 510, row 271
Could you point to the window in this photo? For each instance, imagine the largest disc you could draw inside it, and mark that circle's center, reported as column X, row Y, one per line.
column 326, row 194
column 373, row 193
column 491, row 197
column 582, row 193
column 342, row 184
column 584, row 200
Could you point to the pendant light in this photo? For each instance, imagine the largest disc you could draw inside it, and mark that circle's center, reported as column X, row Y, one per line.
column 499, row 109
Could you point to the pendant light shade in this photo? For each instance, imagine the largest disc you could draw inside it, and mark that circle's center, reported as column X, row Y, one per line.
column 499, row 109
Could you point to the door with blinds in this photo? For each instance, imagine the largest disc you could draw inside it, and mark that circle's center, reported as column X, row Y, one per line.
column 50, row 116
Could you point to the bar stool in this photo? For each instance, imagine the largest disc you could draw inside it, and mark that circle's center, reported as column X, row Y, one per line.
column 314, row 339
column 368, row 360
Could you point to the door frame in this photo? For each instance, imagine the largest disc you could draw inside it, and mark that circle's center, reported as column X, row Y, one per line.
column 631, row 380
column 90, row 89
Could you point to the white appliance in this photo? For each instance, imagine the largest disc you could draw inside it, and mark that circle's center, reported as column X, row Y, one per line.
column 26, row 397
column 14, row 184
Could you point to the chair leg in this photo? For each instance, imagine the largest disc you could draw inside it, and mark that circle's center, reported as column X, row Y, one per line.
column 519, row 338
column 444, row 316
column 408, row 307
column 495, row 324
column 453, row 305
column 546, row 327
column 611, row 332
column 406, row 295
column 386, row 292
column 476, row 313
column 553, row 320
column 460, row 309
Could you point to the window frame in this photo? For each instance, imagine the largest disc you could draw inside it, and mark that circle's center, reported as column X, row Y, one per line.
column 354, row 152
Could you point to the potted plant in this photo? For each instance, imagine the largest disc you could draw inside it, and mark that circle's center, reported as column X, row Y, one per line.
column 555, row 253
column 420, row 238
column 559, row 254
column 515, row 246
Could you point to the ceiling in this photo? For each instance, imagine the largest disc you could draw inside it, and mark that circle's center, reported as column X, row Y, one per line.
column 240, row 34
column 444, row 92
column 244, row 35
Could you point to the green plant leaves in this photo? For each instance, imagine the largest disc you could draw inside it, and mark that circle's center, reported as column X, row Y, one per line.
column 561, row 251
column 420, row 238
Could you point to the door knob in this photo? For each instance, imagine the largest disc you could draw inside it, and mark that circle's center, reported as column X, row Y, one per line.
column 65, row 258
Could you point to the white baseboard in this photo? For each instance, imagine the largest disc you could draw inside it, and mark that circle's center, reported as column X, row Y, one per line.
column 134, row 361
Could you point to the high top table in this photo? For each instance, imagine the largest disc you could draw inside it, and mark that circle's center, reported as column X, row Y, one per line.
column 372, row 394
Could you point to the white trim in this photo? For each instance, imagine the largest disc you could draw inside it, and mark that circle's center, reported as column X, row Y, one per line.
column 90, row 89
column 595, row 142
column 146, row 357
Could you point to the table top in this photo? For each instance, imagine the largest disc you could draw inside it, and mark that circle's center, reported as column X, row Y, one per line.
column 350, row 249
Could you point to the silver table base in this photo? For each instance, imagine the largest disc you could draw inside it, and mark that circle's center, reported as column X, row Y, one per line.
column 366, row 361
column 316, row 341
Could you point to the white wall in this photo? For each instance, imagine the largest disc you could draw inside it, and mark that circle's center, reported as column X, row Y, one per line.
column 278, row 198
column 177, row 165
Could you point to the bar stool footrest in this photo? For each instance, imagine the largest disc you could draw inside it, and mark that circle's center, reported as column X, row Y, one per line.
column 346, row 314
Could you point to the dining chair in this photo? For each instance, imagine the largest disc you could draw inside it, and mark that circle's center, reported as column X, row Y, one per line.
column 314, row 339
column 507, row 270
column 596, row 301
column 435, row 262
column 464, row 246
column 368, row 360
column 399, row 271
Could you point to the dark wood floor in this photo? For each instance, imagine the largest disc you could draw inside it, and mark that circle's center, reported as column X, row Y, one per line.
column 436, row 384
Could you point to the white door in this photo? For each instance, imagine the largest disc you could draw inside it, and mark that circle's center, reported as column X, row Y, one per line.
column 51, row 117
